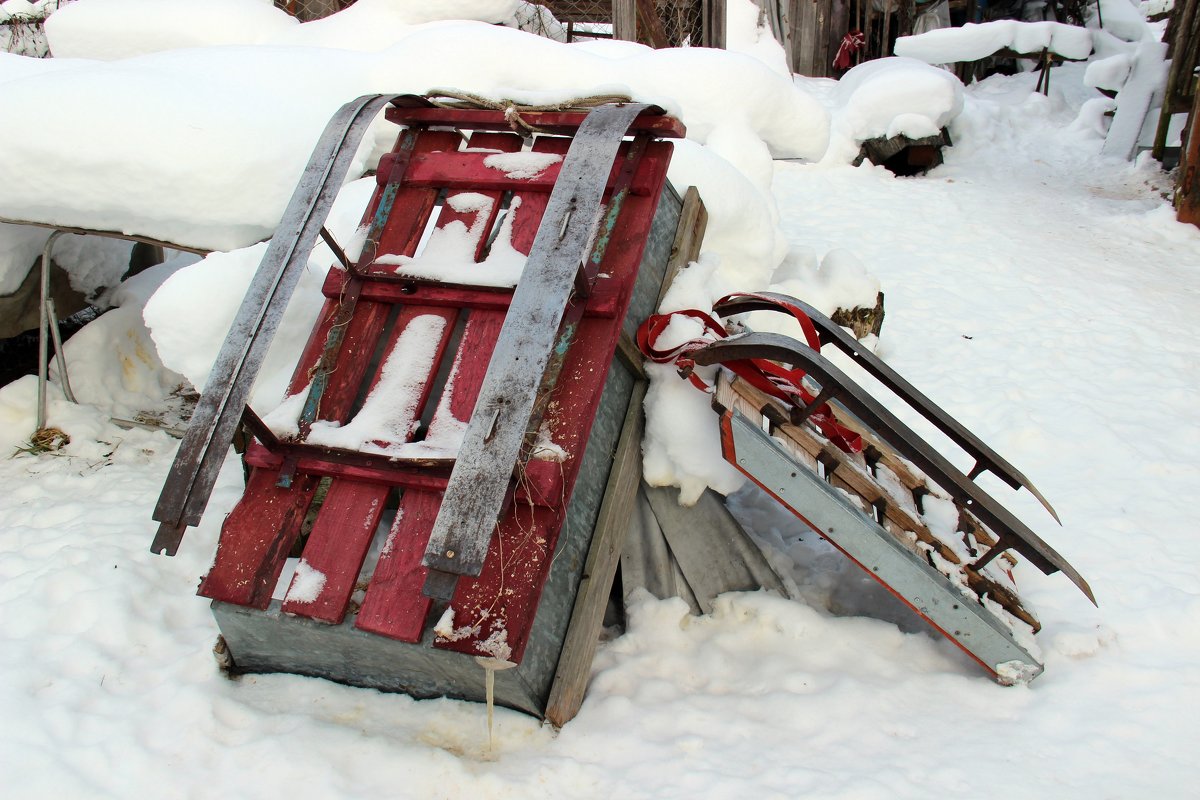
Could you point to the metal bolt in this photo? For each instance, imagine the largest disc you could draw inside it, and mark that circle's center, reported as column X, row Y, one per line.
column 449, row 554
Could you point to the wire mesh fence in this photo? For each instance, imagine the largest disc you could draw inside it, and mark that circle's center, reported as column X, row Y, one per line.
column 308, row 10
column 660, row 23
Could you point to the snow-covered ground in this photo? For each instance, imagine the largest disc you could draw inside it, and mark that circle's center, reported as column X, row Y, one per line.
column 1040, row 293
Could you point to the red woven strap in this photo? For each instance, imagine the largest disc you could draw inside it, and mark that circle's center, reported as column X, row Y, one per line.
column 766, row 376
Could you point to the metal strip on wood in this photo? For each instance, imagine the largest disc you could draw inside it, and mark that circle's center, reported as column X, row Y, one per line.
column 210, row 432
column 957, row 616
column 830, row 332
column 853, row 399
column 491, row 446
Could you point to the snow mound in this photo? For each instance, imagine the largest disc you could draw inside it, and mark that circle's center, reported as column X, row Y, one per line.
column 889, row 97
column 974, row 41
column 214, row 165
column 112, row 29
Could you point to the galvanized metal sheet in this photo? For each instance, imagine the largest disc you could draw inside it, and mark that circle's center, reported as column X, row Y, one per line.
column 960, row 618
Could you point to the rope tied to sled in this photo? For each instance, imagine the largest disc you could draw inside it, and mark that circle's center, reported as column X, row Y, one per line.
column 512, row 110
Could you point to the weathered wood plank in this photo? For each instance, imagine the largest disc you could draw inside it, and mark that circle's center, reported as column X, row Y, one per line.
column 713, row 551
column 335, row 551
column 393, row 605
column 494, row 437
column 646, row 560
column 608, row 539
column 256, row 539
column 457, row 170
column 693, row 222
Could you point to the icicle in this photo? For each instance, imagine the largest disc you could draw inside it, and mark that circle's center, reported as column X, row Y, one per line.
column 490, row 667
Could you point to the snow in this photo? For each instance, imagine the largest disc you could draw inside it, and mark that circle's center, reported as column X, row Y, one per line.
column 388, row 416
column 889, row 97
column 306, row 584
column 449, row 254
column 112, row 29
column 214, row 164
column 522, row 166
column 974, row 41
column 1036, row 290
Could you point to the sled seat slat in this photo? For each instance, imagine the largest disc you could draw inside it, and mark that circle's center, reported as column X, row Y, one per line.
column 393, row 605
column 247, row 545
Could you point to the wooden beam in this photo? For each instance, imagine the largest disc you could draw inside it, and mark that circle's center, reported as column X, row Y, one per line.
column 612, row 525
column 714, row 24
column 624, row 16
column 1187, row 195
column 693, row 221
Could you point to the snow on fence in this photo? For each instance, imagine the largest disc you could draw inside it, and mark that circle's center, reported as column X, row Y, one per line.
column 972, row 42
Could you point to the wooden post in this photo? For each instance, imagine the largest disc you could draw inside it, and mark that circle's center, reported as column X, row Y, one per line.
column 714, row 23
column 1187, row 195
column 805, row 31
column 1182, row 55
column 650, row 25
column 693, row 221
column 624, row 14
column 587, row 617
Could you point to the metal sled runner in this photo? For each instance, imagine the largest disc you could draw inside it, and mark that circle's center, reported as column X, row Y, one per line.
column 855, row 474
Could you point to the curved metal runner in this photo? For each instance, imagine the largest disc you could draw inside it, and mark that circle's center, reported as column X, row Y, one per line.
column 1011, row 532
column 192, row 476
column 986, row 459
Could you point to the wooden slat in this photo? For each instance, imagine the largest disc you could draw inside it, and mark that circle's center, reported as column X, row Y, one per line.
column 898, row 519
column 336, row 549
column 394, row 605
column 693, row 222
column 556, row 122
column 459, row 170
column 856, row 481
column 608, row 539
column 256, row 539
column 346, row 523
column 510, row 584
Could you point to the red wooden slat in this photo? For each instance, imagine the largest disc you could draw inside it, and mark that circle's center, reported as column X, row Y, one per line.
column 469, row 171
column 562, row 122
column 410, row 212
column 504, row 598
column 394, row 605
column 256, row 539
column 346, row 522
column 253, row 546
column 335, row 549
column 425, row 474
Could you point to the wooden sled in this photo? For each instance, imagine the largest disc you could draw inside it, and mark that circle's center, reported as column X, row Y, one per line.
column 482, row 418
